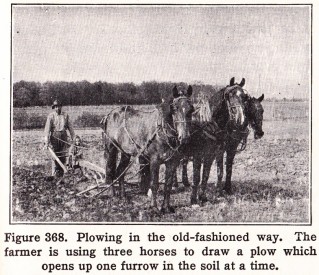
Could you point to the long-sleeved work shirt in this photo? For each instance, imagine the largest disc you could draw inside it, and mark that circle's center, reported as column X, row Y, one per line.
column 57, row 123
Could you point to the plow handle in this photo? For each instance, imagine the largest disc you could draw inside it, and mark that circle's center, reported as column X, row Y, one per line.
column 57, row 160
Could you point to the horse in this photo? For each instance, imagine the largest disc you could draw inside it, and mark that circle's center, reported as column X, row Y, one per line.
column 217, row 116
column 152, row 137
column 254, row 113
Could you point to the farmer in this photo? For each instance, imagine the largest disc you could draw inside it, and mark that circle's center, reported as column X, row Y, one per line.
column 57, row 124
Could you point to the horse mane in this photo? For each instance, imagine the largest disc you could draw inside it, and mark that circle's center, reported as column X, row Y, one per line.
column 216, row 100
column 203, row 109
column 164, row 110
column 129, row 110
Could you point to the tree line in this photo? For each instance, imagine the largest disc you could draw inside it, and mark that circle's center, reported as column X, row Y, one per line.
column 29, row 93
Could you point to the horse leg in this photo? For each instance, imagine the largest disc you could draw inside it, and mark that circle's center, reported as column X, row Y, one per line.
column 154, row 168
column 145, row 175
column 229, row 168
column 175, row 181
column 220, row 167
column 170, row 173
column 110, row 156
column 124, row 162
column 207, row 164
column 196, row 178
column 184, row 173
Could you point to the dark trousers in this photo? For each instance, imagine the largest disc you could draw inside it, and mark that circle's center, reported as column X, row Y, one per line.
column 58, row 141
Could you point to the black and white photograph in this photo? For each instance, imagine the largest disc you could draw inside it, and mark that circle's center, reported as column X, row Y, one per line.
column 161, row 114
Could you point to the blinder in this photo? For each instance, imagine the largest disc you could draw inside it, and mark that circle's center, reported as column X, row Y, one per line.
column 233, row 109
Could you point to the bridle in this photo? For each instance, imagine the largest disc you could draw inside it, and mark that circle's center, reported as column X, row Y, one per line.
column 251, row 117
column 173, row 105
column 233, row 130
column 233, row 109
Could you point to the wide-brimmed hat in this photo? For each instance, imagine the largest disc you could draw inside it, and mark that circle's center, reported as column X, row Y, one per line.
column 56, row 103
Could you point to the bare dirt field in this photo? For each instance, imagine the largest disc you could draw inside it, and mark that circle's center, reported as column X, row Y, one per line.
column 270, row 183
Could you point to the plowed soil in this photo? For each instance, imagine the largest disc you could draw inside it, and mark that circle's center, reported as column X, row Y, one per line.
column 270, row 184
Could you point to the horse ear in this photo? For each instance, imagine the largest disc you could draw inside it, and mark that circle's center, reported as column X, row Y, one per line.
column 261, row 98
column 242, row 83
column 232, row 81
column 175, row 92
column 189, row 90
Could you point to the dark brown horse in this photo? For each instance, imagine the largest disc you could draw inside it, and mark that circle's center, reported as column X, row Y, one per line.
column 254, row 113
column 217, row 116
column 152, row 137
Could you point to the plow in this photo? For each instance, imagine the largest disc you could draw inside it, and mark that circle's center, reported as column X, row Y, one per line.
column 92, row 171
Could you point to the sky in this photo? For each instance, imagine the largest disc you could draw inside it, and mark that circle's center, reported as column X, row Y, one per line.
column 267, row 45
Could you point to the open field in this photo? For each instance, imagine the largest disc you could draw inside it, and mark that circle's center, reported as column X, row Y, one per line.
column 270, row 180
column 82, row 116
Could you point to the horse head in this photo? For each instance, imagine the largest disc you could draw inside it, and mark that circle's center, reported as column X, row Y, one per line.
column 236, row 97
column 181, row 110
column 255, row 113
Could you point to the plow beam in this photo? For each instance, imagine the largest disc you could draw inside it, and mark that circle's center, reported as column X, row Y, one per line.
column 89, row 165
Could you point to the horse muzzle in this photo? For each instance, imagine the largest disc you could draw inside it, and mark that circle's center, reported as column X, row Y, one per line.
column 236, row 114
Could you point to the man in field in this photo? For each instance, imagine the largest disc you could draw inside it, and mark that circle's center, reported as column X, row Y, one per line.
column 55, row 132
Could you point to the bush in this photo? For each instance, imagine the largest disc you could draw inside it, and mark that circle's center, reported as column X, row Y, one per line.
column 36, row 122
column 22, row 120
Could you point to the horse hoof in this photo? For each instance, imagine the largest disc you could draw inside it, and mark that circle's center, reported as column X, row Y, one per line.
column 168, row 209
column 203, row 198
column 143, row 192
column 186, row 184
column 227, row 190
column 193, row 201
column 143, row 189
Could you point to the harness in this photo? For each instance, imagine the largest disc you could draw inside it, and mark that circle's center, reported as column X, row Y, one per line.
column 139, row 149
column 211, row 130
column 163, row 130
column 241, row 136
